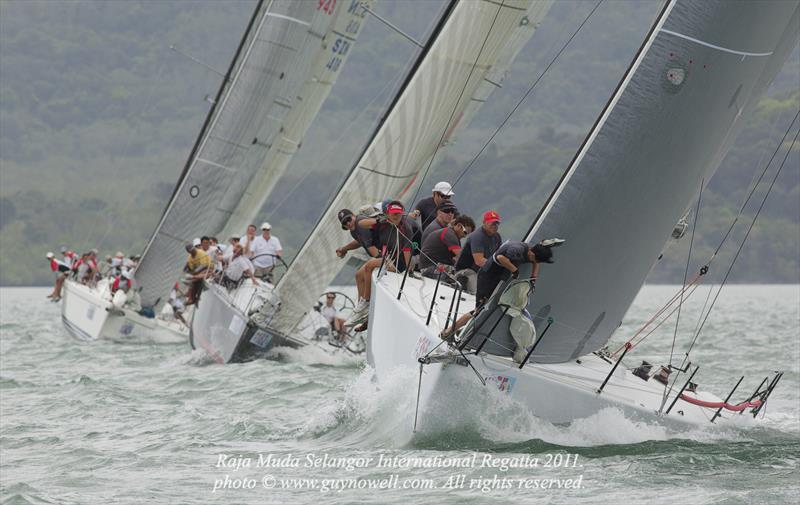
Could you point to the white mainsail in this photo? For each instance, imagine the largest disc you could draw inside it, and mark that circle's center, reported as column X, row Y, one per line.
column 665, row 130
column 442, row 94
column 252, row 106
column 321, row 65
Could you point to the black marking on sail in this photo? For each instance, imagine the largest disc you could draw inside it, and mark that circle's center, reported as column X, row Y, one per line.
column 735, row 96
column 589, row 333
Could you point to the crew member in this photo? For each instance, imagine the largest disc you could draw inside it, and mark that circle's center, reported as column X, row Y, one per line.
column 479, row 246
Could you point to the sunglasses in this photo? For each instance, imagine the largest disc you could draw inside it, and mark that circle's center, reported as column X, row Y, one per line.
column 448, row 211
column 446, row 197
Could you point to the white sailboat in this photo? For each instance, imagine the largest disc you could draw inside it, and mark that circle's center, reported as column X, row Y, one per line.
column 254, row 112
column 227, row 322
column 661, row 136
column 465, row 59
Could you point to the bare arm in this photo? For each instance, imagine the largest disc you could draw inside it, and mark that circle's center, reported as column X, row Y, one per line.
column 479, row 259
column 342, row 251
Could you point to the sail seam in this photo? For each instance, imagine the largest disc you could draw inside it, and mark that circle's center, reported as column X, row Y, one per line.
column 712, row 46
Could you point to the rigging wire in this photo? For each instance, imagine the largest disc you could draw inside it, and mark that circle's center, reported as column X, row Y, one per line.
column 458, row 100
column 525, row 96
column 713, row 256
column 686, row 271
column 683, row 290
column 739, row 250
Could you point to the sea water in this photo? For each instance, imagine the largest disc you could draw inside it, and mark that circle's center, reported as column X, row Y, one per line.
column 103, row 422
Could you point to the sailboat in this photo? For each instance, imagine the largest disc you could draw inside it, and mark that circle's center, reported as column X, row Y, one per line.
column 659, row 139
column 222, row 311
column 463, row 61
column 266, row 101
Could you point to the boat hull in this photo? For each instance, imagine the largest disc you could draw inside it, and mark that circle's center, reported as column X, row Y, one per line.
column 222, row 327
column 88, row 314
column 558, row 393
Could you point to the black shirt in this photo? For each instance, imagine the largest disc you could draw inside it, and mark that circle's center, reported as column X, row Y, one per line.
column 516, row 252
column 438, row 248
column 478, row 242
column 427, row 211
column 367, row 237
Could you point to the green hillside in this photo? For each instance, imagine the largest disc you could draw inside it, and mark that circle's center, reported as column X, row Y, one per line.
column 97, row 116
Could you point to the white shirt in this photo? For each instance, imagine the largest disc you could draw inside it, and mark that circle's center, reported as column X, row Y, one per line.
column 238, row 267
column 268, row 247
column 243, row 243
column 328, row 313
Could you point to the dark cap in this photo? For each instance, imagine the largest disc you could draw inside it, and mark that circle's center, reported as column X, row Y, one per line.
column 543, row 254
column 447, row 206
column 344, row 215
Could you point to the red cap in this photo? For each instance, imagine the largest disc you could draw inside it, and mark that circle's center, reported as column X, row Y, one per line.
column 491, row 216
column 395, row 209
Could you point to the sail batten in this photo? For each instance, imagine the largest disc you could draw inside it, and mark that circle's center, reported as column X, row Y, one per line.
column 664, row 132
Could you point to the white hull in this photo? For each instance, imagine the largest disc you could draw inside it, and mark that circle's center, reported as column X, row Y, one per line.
column 85, row 315
column 228, row 327
column 558, row 393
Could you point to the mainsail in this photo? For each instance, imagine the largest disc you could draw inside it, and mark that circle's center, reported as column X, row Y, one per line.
column 254, row 101
column 664, row 132
column 451, row 75
column 320, row 73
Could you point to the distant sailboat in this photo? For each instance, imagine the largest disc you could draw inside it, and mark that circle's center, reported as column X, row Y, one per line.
column 663, row 133
column 262, row 108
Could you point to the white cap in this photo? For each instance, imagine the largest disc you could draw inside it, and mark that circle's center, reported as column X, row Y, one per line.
column 196, row 242
column 119, row 255
column 64, row 249
column 444, row 188
column 49, row 255
column 266, row 226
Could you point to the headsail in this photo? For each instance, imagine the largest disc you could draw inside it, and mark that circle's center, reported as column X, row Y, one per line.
column 255, row 98
column 665, row 130
column 451, row 73
column 323, row 65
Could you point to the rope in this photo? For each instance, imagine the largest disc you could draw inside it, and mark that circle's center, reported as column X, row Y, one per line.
column 535, row 83
column 741, row 209
column 744, row 240
column 458, row 100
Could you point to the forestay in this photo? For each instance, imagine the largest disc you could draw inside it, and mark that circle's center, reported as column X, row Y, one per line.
column 320, row 65
column 665, row 130
column 254, row 100
column 451, row 72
